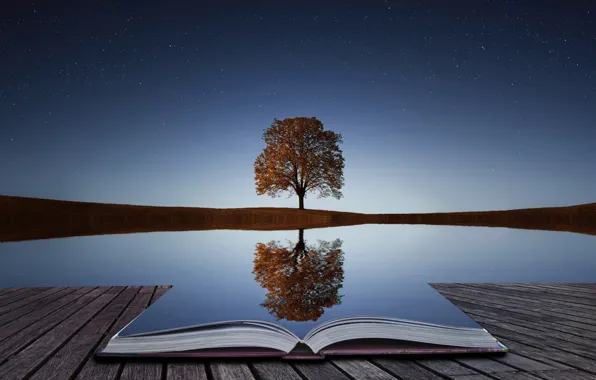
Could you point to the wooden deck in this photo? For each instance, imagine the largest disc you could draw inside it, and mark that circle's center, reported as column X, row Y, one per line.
column 51, row 333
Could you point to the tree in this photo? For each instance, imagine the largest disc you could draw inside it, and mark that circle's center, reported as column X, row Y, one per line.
column 300, row 157
column 302, row 281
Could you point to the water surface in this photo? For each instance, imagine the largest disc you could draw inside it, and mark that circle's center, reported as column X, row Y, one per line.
column 368, row 269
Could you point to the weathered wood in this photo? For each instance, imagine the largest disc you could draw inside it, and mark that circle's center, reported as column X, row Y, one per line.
column 485, row 365
column 18, row 312
column 446, row 367
column 27, row 361
column 21, row 332
column 186, row 371
column 522, row 363
column 320, row 370
column 484, row 289
column 555, row 339
column 18, row 295
column 22, row 302
column 547, row 339
column 406, row 369
column 554, row 358
column 473, row 377
column 523, row 320
column 95, row 369
column 558, row 293
column 64, row 363
column 142, row 370
column 230, row 371
column 275, row 370
column 362, row 369
column 516, row 376
column 544, row 308
column 4, row 291
column 160, row 291
column 564, row 375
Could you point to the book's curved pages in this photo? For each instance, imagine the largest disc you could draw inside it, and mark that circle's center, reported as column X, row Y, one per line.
column 352, row 335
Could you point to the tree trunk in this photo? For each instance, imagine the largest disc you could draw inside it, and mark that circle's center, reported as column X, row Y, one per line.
column 301, row 192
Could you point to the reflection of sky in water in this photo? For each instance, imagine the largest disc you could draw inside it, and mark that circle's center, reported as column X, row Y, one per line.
column 384, row 265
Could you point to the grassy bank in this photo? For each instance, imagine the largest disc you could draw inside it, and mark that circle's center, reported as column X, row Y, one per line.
column 32, row 218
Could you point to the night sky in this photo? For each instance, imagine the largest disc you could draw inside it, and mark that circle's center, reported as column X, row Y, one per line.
column 443, row 105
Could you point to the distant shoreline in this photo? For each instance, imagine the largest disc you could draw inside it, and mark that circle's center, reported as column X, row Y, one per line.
column 23, row 218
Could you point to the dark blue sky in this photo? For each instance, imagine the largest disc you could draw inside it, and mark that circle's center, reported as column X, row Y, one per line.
column 459, row 105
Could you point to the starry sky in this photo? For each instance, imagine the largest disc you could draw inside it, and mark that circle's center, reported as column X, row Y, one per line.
column 443, row 106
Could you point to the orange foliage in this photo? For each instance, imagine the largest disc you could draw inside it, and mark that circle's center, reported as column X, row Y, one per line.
column 300, row 281
column 302, row 157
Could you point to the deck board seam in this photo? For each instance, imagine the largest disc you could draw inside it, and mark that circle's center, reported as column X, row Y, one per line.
column 557, row 349
column 50, row 329
column 479, row 313
column 31, row 301
column 592, row 348
column 209, row 371
column 100, row 340
column 300, row 374
column 524, row 297
column 557, row 314
column 343, row 372
column 253, row 370
column 36, row 368
column 71, row 291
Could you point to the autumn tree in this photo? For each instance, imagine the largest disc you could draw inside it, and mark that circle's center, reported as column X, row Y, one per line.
column 300, row 157
column 301, row 280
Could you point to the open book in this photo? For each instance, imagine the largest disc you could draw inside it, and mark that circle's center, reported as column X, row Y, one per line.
column 162, row 331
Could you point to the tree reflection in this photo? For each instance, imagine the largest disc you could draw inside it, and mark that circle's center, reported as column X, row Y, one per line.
column 302, row 280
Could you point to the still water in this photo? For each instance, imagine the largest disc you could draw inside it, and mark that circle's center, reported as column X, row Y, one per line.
column 330, row 273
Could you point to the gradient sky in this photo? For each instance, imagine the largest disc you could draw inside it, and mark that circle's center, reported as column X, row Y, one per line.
column 443, row 106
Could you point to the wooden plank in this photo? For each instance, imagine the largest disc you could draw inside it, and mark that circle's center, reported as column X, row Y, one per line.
column 33, row 306
column 531, row 340
column 554, row 358
column 406, row 369
column 472, row 377
column 98, row 369
column 485, row 365
column 19, row 294
column 158, row 292
column 556, row 292
column 489, row 290
column 320, row 370
column 488, row 300
column 130, row 367
column 65, row 362
column 516, row 376
column 275, row 370
column 142, row 370
column 446, row 367
column 556, row 339
column 362, row 369
column 522, row 320
column 29, row 359
column 511, row 314
column 587, row 286
column 504, row 307
column 22, row 302
column 186, row 371
column 523, row 363
column 539, row 292
column 4, row 291
column 230, row 371
column 21, row 332
column 559, row 306
column 564, row 375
